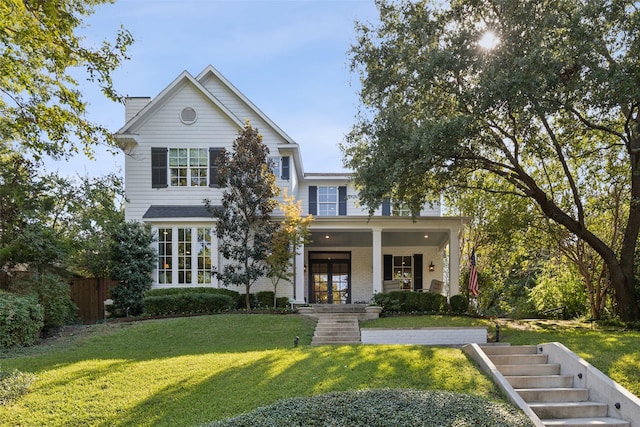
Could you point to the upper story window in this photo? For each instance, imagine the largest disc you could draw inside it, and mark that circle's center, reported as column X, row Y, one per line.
column 401, row 210
column 279, row 166
column 398, row 209
column 188, row 167
column 327, row 200
column 275, row 164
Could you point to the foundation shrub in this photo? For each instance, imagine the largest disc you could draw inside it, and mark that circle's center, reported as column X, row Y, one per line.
column 188, row 303
column 411, row 302
column 237, row 297
column 21, row 320
column 459, row 304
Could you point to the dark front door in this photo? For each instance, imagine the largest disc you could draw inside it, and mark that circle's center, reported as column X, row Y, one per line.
column 330, row 281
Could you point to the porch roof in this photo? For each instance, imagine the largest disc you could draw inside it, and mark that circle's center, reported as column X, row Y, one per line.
column 395, row 231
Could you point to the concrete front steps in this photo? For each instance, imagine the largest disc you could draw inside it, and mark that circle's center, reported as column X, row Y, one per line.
column 337, row 323
column 548, row 390
column 336, row 328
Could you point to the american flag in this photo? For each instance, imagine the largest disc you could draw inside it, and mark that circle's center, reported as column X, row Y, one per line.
column 473, row 275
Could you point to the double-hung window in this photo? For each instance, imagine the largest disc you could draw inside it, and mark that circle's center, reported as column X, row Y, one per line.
column 188, row 167
column 327, row 201
column 275, row 164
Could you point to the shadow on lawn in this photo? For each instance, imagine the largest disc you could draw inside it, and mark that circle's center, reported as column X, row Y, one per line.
column 301, row 372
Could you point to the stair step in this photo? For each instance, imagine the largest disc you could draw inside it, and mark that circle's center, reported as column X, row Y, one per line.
column 555, row 410
column 586, row 422
column 519, row 359
column 509, row 349
column 540, row 381
column 564, row 394
column 333, row 340
column 533, row 369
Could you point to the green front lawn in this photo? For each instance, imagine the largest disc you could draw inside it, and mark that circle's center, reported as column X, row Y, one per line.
column 615, row 352
column 189, row 371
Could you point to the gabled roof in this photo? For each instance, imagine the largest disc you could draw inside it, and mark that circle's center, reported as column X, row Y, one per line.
column 180, row 81
column 210, row 70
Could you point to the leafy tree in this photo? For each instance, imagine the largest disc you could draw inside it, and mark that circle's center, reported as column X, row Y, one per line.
column 560, row 286
column 41, row 107
column 131, row 262
column 292, row 232
column 244, row 227
column 555, row 96
column 84, row 212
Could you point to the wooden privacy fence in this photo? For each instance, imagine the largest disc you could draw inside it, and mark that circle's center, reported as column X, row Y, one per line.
column 89, row 296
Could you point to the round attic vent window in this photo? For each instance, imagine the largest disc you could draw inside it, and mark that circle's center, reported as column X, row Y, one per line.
column 188, row 116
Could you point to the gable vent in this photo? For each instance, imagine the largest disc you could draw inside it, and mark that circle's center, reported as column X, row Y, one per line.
column 188, row 116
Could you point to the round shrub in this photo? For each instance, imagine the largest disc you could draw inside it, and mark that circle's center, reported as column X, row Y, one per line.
column 459, row 304
column 383, row 408
column 21, row 320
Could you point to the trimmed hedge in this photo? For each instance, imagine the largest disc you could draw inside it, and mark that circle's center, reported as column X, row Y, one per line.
column 21, row 320
column 188, row 303
column 237, row 297
column 411, row 302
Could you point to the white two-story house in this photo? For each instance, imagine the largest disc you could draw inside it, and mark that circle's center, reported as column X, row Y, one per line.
column 171, row 143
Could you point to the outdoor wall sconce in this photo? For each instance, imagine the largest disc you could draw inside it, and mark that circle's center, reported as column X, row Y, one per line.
column 432, row 267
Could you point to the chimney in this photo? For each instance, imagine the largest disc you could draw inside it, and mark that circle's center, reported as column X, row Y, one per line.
column 133, row 105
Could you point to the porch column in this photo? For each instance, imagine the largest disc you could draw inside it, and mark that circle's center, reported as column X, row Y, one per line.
column 376, row 262
column 298, row 291
column 454, row 261
column 215, row 259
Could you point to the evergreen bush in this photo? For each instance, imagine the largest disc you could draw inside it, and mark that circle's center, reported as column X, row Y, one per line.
column 459, row 304
column 54, row 294
column 21, row 320
column 411, row 302
column 188, row 303
column 237, row 297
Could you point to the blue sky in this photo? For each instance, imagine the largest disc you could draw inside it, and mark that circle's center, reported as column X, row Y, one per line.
column 288, row 57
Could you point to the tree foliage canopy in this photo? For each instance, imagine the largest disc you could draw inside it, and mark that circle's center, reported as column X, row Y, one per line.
column 244, row 226
column 42, row 57
column 552, row 110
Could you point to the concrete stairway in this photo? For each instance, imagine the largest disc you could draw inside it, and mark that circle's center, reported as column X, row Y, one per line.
column 337, row 324
column 550, row 395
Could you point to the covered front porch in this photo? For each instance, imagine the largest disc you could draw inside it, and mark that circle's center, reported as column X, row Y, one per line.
column 349, row 260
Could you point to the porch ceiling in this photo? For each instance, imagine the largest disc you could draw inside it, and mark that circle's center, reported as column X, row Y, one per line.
column 341, row 238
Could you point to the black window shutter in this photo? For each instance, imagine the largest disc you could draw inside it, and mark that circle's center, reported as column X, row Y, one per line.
column 159, row 167
column 342, row 200
column 417, row 272
column 388, row 267
column 386, row 207
column 313, row 200
column 215, row 155
column 285, row 168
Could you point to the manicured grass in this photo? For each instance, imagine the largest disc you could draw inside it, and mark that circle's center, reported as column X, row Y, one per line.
column 190, row 371
column 615, row 352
